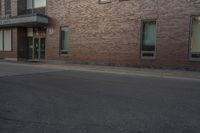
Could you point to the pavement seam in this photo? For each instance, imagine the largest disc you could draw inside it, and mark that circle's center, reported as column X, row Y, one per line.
column 49, row 123
column 126, row 73
column 15, row 75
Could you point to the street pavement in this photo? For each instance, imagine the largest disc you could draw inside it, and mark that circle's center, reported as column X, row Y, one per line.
column 50, row 100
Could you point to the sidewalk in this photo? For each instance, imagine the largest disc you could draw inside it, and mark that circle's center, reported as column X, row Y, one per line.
column 165, row 73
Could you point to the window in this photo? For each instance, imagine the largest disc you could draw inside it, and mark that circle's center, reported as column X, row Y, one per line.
column 5, row 40
column 195, row 39
column 0, row 9
column 64, row 40
column 104, row 1
column 7, row 7
column 30, row 32
column 35, row 4
column 148, row 39
column 39, row 3
column 1, row 40
column 29, row 4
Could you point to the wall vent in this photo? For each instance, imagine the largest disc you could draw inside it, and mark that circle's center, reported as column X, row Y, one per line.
column 147, row 54
column 195, row 56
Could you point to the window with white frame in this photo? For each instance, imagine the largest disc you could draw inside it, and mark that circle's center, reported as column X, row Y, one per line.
column 35, row 4
column 39, row 3
column 6, row 40
column 64, row 40
column 0, row 8
column 148, row 39
column 1, row 40
column 195, row 39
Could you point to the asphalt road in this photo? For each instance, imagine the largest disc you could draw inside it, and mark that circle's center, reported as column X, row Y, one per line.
column 39, row 100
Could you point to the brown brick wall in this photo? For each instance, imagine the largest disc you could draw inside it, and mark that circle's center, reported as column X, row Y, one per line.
column 110, row 33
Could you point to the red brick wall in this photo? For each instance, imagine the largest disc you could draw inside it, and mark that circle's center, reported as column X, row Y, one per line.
column 110, row 33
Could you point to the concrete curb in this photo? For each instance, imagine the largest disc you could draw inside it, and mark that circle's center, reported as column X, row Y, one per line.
column 162, row 73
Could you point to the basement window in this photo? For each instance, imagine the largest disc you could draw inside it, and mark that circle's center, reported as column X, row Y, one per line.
column 195, row 39
column 148, row 39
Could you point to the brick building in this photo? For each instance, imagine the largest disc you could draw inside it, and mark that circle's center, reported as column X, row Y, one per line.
column 150, row 33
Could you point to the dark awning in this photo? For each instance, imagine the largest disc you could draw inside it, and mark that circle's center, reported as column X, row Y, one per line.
column 30, row 20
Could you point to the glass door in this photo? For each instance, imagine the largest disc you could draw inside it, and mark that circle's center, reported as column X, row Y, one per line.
column 42, row 48
column 37, row 48
column 30, row 47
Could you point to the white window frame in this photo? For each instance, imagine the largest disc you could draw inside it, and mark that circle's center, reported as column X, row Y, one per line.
column 1, row 40
column 32, row 4
column 66, row 50
column 144, row 53
column 193, row 54
column 40, row 6
column 6, row 42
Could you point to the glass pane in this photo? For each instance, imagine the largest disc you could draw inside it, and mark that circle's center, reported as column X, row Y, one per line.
column 7, row 7
column 29, row 4
column 39, row 3
column 7, row 40
column 64, row 39
column 1, row 40
column 30, row 47
column 149, row 37
column 195, row 38
column 0, row 8
column 36, row 48
column 42, row 48
column 29, row 32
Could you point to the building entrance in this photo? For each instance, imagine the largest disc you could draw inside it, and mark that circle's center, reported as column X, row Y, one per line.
column 36, row 45
column 37, row 49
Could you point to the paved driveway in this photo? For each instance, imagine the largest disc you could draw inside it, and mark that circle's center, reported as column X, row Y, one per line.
column 39, row 100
